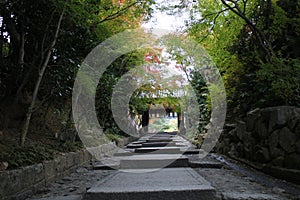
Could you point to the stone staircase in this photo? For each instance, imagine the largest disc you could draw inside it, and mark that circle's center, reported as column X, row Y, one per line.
column 157, row 166
column 172, row 169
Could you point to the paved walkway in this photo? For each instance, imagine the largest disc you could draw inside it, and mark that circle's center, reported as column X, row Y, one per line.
column 165, row 166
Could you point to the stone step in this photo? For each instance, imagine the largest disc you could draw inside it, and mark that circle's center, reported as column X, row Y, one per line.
column 179, row 140
column 159, row 140
column 162, row 136
column 133, row 146
column 124, row 154
column 105, row 166
column 153, row 150
column 182, row 144
column 160, row 150
column 171, row 183
column 193, row 151
column 71, row 197
column 205, row 164
column 138, row 142
column 106, row 163
column 158, row 144
column 151, row 161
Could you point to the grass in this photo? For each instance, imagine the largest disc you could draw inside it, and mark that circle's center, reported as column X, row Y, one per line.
column 33, row 152
column 39, row 147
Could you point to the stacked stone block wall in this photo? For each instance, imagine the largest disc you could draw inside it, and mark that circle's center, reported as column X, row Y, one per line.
column 20, row 183
column 269, row 136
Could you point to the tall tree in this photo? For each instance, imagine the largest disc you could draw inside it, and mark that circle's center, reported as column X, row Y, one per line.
column 248, row 41
column 37, row 45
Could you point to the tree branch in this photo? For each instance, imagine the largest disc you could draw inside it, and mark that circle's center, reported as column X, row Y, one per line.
column 37, row 85
column 245, row 5
column 215, row 13
column 118, row 13
column 42, row 51
column 213, row 23
column 264, row 43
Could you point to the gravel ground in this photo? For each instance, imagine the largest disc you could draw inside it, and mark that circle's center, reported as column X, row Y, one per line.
column 230, row 183
column 237, row 181
column 74, row 184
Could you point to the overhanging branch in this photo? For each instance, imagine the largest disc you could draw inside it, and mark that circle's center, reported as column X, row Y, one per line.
column 264, row 43
column 119, row 12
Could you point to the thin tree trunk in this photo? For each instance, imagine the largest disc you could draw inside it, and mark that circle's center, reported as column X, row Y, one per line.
column 37, row 85
column 21, row 61
column 27, row 76
column 1, row 42
column 264, row 43
column 21, row 65
column 22, row 50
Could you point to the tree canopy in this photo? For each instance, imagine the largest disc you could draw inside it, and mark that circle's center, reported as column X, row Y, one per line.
column 255, row 45
column 42, row 45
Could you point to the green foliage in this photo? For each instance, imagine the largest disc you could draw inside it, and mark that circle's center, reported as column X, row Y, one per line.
column 32, row 153
column 37, row 153
column 28, row 155
column 283, row 79
column 85, row 24
column 113, row 134
column 164, row 125
column 68, row 146
column 106, row 86
column 250, row 79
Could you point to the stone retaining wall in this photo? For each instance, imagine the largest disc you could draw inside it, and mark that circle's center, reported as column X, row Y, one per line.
column 269, row 136
column 19, row 183
column 110, row 148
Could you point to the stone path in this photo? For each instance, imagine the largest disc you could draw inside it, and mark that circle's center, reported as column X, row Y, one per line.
column 170, row 183
column 157, row 169
column 165, row 166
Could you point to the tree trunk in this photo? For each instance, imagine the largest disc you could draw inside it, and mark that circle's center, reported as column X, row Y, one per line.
column 37, row 85
column 263, row 41
column 145, row 120
column 1, row 43
column 178, row 120
column 21, row 51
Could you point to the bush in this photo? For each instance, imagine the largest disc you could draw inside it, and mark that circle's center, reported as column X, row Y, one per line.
column 279, row 82
column 18, row 156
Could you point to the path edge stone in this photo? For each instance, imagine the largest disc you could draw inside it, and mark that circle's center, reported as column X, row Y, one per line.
column 23, row 182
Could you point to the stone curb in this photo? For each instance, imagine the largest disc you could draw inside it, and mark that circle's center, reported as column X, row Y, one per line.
column 291, row 175
column 20, row 183
column 23, row 182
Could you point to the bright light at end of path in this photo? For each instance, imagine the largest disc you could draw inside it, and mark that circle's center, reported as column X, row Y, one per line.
column 96, row 63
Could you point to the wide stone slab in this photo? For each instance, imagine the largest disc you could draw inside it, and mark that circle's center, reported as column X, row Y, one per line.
column 133, row 146
column 162, row 136
column 123, row 154
column 164, row 184
column 151, row 161
column 139, row 142
column 158, row 150
column 192, row 151
column 158, row 144
column 159, row 140
column 182, row 144
column 71, row 197
column 205, row 164
column 105, row 166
